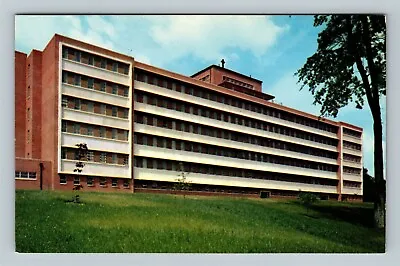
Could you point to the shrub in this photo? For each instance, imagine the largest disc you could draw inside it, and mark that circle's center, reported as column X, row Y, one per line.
column 307, row 199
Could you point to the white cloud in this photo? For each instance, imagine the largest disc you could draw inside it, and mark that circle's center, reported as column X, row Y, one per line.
column 206, row 37
column 161, row 40
column 34, row 32
column 100, row 24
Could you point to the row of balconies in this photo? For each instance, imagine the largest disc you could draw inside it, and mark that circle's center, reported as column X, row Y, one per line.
column 227, row 108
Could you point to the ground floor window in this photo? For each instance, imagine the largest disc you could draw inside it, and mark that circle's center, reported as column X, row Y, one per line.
column 102, row 181
column 89, row 181
column 114, row 182
column 25, row 175
column 126, row 183
column 63, row 179
column 77, row 180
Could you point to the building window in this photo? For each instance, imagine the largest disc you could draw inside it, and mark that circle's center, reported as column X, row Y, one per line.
column 64, row 102
column 90, row 83
column 77, row 128
column 77, row 104
column 102, row 109
column 77, row 80
column 126, row 160
column 102, row 132
column 90, row 107
column 64, row 77
column 114, row 133
column 77, row 180
column 25, row 175
column 126, row 183
column 126, row 92
column 103, row 63
column 63, row 179
column 91, row 60
column 90, row 130
column 63, row 154
column 126, row 113
column 77, row 155
column 103, row 157
column 126, row 70
column 77, row 56
column 65, row 52
column 89, row 181
column 115, row 66
column 103, row 86
column 114, row 111
column 103, row 181
column 114, row 89
column 114, row 182
column 63, row 126
column 114, row 159
column 125, row 135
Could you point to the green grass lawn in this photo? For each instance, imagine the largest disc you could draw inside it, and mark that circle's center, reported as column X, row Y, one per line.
column 148, row 223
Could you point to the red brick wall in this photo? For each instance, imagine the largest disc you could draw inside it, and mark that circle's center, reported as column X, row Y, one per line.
column 33, row 102
column 20, row 104
column 203, row 74
column 217, row 77
column 49, row 128
column 33, row 165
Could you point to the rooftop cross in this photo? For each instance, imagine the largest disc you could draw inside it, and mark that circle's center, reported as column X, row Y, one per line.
column 223, row 63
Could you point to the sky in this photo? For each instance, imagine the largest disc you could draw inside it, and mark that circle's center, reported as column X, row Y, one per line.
column 269, row 48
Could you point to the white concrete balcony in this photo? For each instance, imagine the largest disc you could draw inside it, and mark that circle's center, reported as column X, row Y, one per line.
column 218, row 180
column 351, row 177
column 95, row 143
column 185, row 156
column 352, row 164
column 95, row 72
column 227, row 108
column 352, row 191
column 95, row 95
column 164, row 132
column 352, row 139
column 225, row 125
column 96, row 119
column 352, row 152
column 97, row 169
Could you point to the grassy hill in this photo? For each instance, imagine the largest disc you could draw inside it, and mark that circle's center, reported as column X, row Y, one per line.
column 147, row 223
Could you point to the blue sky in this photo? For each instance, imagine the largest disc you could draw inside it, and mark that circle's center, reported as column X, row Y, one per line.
column 269, row 48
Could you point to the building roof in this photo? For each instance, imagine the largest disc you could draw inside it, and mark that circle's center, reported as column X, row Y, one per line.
column 227, row 70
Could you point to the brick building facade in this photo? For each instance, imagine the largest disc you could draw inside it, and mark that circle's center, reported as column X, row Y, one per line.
column 142, row 124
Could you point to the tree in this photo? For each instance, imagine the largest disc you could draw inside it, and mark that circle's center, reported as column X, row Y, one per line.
column 307, row 199
column 81, row 154
column 349, row 66
column 368, row 187
column 182, row 183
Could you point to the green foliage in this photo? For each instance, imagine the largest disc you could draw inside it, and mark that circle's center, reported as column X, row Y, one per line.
column 182, row 183
column 307, row 199
column 349, row 66
column 350, row 62
column 148, row 223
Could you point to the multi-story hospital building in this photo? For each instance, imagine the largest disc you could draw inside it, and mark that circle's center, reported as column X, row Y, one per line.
column 142, row 124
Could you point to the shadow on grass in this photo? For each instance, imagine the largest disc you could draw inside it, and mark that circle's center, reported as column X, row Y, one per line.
column 354, row 215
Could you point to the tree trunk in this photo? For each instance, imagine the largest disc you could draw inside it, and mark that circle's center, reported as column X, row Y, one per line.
column 380, row 191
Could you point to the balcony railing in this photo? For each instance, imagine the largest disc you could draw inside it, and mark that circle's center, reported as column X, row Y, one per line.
column 219, row 180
